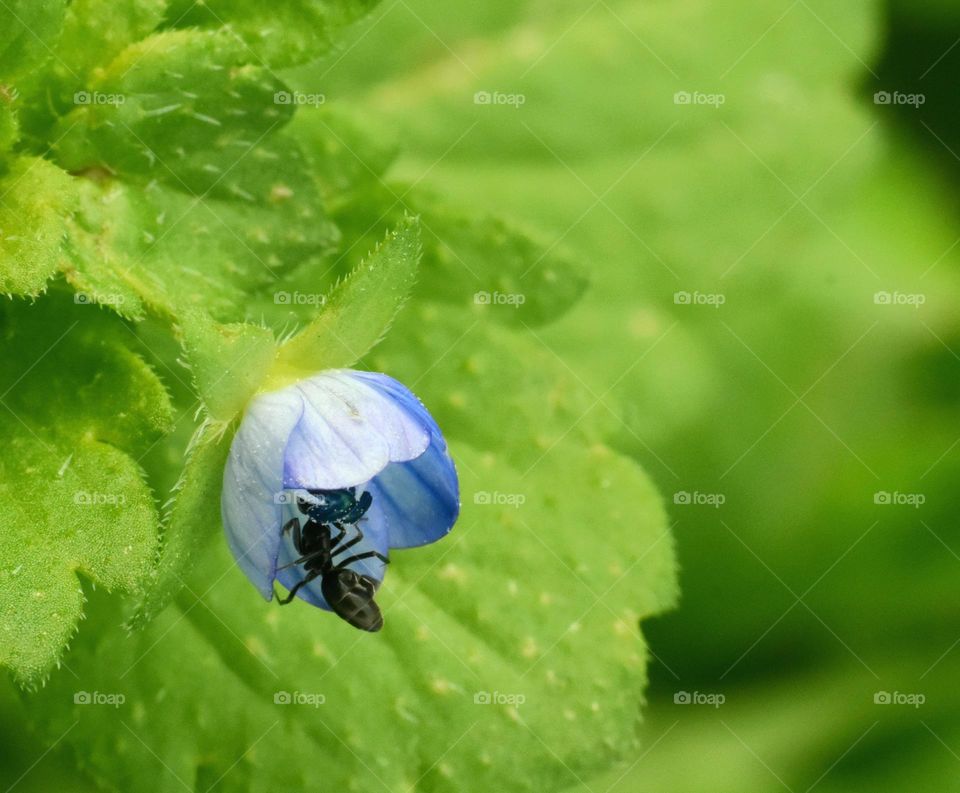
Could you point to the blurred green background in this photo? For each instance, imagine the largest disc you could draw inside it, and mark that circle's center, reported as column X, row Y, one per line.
column 770, row 330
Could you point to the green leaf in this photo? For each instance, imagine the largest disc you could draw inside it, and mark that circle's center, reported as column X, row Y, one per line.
column 28, row 35
column 491, row 386
column 469, row 257
column 520, row 275
column 157, row 245
column 9, row 127
column 190, row 198
column 78, row 409
column 342, row 152
column 96, row 262
column 278, row 35
column 190, row 520
column 228, row 361
column 180, row 105
column 95, row 31
column 573, row 600
column 35, row 198
column 358, row 313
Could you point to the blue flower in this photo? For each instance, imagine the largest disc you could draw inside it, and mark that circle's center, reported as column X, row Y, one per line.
column 340, row 430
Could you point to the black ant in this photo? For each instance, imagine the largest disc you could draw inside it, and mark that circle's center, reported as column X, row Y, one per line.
column 349, row 593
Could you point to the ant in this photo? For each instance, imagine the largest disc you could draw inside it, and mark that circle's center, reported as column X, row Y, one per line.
column 349, row 593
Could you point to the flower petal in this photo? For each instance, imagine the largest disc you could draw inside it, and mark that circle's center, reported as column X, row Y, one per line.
column 420, row 498
column 252, row 478
column 348, row 433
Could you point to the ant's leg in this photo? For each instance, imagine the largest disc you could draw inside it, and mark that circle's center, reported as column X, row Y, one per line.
column 297, row 537
column 340, row 536
column 293, row 592
column 302, row 560
column 350, row 543
column 366, row 555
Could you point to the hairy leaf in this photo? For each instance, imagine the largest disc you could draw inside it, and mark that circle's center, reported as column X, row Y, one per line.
column 299, row 682
column 277, row 35
column 73, row 497
column 35, row 198
column 359, row 311
column 28, row 35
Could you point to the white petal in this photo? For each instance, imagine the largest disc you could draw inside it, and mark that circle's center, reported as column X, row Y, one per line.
column 252, row 478
column 348, row 433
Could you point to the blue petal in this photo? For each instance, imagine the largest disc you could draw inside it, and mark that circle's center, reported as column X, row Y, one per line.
column 373, row 526
column 252, row 478
column 348, row 432
column 420, row 498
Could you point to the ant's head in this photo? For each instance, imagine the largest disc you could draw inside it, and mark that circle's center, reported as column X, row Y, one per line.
column 332, row 504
